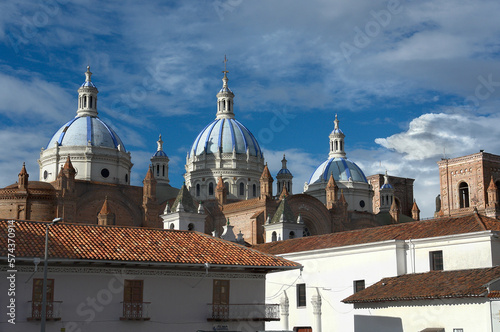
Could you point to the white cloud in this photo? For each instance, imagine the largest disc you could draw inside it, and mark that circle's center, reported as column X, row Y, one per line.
column 432, row 135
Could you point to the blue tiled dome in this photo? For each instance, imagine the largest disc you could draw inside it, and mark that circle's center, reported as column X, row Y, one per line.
column 387, row 186
column 160, row 153
column 341, row 168
column 284, row 171
column 225, row 135
column 80, row 130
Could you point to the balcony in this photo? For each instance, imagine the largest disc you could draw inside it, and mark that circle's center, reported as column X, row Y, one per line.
column 243, row 312
column 135, row 311
column 53, row 310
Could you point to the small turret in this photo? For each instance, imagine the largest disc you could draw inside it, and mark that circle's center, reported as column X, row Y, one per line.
column 266, row 183
column 23, row 179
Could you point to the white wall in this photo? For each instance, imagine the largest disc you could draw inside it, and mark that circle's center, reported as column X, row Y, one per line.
column 469, row 314
column 333, row 271
column 92, row 301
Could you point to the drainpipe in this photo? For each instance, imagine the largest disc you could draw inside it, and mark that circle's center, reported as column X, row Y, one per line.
column 285, row 305
column 316, row 302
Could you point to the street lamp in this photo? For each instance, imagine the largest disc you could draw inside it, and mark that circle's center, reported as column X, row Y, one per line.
column 44, row 289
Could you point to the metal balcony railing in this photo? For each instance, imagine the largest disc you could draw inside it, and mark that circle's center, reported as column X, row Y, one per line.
column 243, row 312
column 52, row 312
column 135, row 311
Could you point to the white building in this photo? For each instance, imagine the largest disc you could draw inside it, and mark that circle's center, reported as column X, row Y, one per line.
column 103, row 278
column 339, row 264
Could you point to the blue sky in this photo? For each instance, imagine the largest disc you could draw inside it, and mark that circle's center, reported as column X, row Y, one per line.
column 411, row 81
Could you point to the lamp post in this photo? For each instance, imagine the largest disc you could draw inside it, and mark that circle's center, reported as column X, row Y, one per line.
column 44, row 289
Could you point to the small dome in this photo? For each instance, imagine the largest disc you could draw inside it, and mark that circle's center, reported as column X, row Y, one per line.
column 80, row 130
column 160, row 153
column 284, row 171
column 225, row 135
column 387, row 186
column 342, row 169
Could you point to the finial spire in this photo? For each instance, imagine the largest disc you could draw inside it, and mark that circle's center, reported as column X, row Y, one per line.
column 225, row 65
column 88, row 74
column 160, row 144
column 336, row 121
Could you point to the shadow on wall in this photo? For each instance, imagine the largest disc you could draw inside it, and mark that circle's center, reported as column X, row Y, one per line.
column 377, row 324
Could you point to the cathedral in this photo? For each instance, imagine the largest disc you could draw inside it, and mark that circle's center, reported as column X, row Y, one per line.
column 84, row 177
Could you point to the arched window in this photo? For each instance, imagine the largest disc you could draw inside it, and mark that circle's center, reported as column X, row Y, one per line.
column 229, row 105
column 172, row 226
column 157, row 170
column 211, row 189
column 90, row 102
column 254, row 190
column 463, row 193
column 198, row 190
column 291, row 235
column 163, row 170
column 336, row 145
column 191, row 227
column 84, row 101
column 226, row 185
column 242, row 189
column 223, row 104
column 274, row 237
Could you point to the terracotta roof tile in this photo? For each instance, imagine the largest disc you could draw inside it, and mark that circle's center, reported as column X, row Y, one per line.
column 405, row 231
column 133, row 244
column 430, row 285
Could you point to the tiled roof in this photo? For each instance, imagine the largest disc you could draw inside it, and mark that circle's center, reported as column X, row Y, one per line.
column 430, row 285
column 187, row 200
column 494, row 294
column 133, row 244
column 284, row 210
column 411, row 230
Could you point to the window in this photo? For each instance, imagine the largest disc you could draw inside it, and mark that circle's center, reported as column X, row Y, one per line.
column 90, row 103
column 133, row 306
column 274, row 237
column 191, row 227
column 458, row 330
column 301, row 295
column 436, row 260
column 291, row 235
column 242, row 189
column 463, row 193
column 220, row 299
column 211, row 189
column 359, row 285
column 52, row 308
column 198, row 190
column 104, row 172
column 254, row 190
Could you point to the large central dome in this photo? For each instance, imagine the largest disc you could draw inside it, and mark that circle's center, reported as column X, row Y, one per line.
column 225, row 135
column 224, row 148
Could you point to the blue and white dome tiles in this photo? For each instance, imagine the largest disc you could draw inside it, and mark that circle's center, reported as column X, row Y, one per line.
column 342, row 169
column 225, row 135
column 85, row 130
